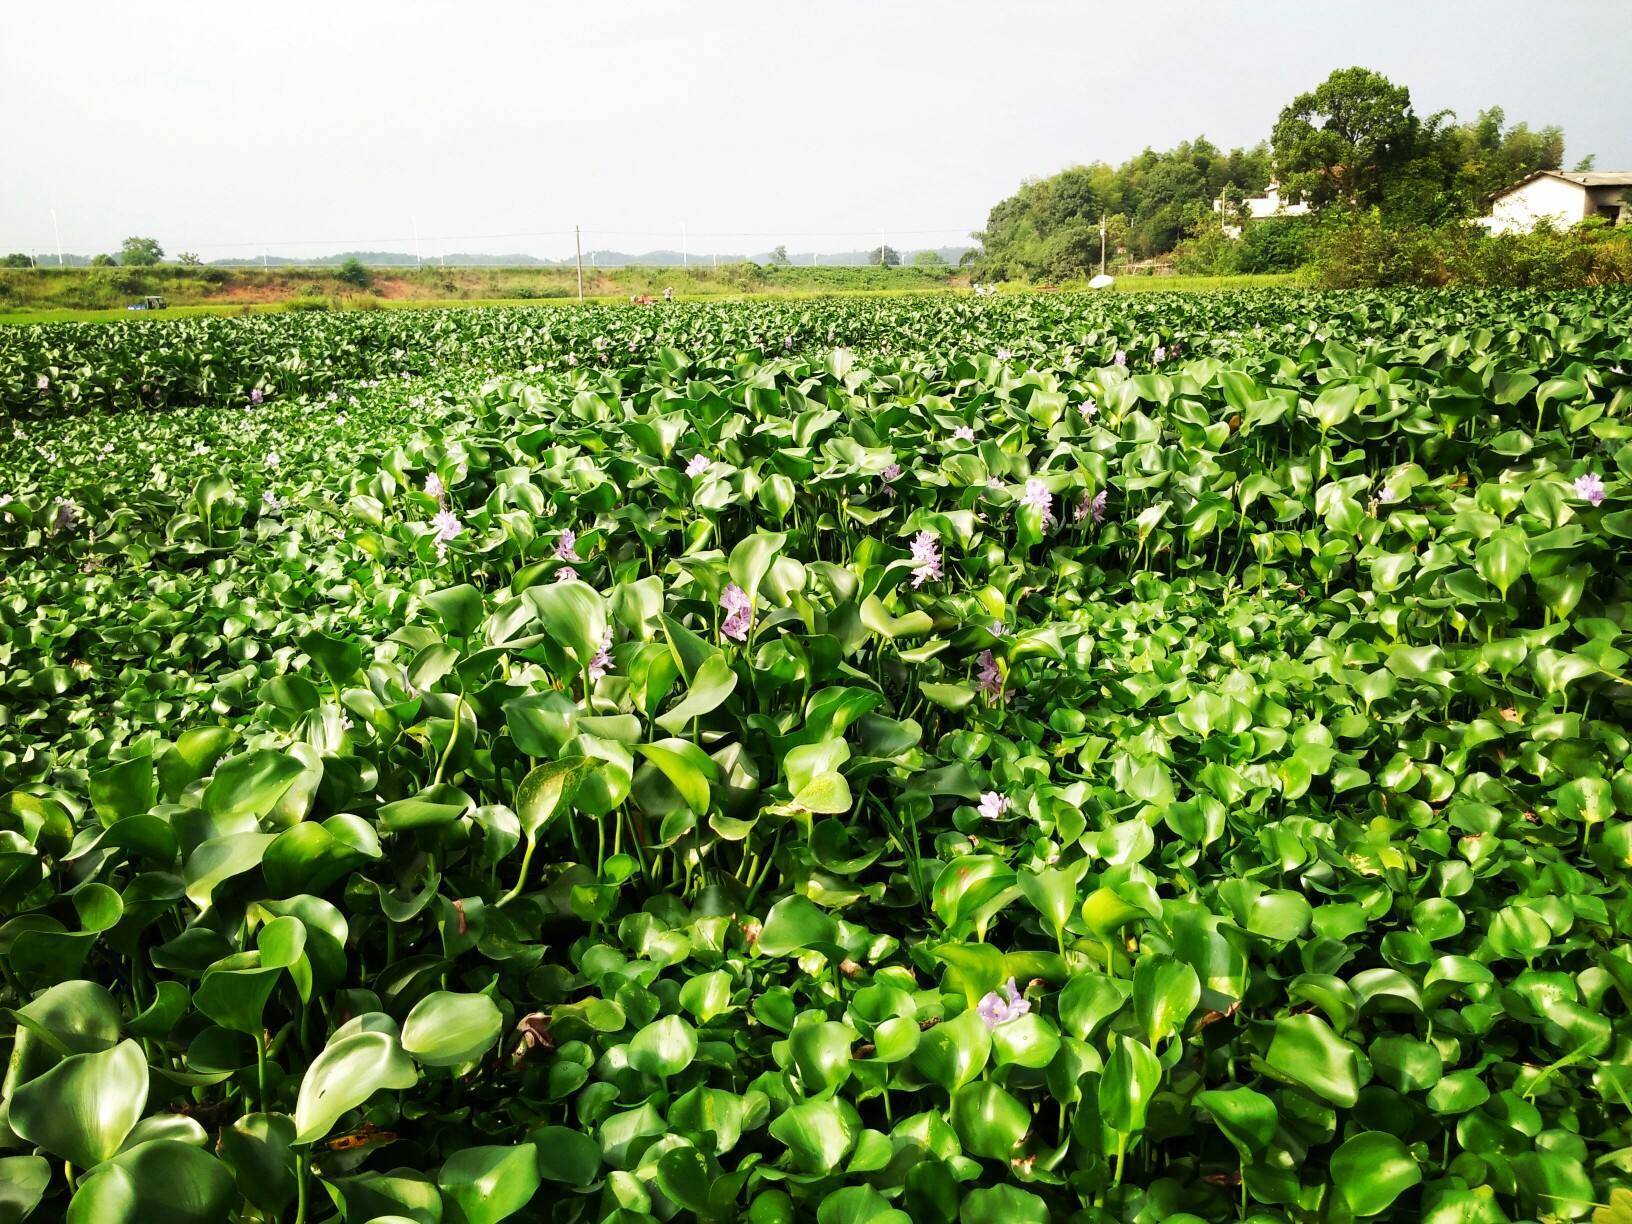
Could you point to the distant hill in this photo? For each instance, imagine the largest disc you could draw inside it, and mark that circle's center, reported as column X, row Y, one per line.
column 599, row 258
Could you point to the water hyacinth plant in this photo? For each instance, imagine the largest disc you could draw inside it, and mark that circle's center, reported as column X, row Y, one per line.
column 594, row 800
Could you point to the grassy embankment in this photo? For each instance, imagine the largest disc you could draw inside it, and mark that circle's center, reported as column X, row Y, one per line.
column 101, row 294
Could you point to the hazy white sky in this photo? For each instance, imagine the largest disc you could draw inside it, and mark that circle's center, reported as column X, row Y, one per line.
column 222, row 125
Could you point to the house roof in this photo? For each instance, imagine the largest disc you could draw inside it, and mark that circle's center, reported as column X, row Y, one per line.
column 1581, row 178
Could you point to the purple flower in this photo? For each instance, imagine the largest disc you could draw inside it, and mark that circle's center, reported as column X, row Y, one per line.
column 572, row 359
column 255, row 396
column 566, row 574
column 448, row 527
column 926, row 559
column 1121, row 358
column 993, row 806
column 566, row 546
column 602, row 662
column 1097, row 506
column 433, row 486
column 787, row 342
column 1003, row 354
column 66, row 518
column 272, row 460
column 996, row 1009
column 1088, row 409
column 44, row 383
column 270, row 502
column 1158, row 354
column 991, row 679
column 734, row 602
column 964, row 433
column 1039, row 498
column 891, row 471
column 1590, row 488
column 697, row 466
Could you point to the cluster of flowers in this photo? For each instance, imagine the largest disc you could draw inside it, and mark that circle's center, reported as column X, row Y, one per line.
column 736, row 605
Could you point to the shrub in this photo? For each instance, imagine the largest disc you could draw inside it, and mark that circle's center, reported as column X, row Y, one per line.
column 352, row 272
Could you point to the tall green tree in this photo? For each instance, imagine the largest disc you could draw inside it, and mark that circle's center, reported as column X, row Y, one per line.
column 137, row 252
column 1341, row 141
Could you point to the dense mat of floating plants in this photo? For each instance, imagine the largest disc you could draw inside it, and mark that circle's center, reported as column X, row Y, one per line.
column 1142, row 759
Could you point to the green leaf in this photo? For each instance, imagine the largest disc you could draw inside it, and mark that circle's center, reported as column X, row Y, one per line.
column 251, row 784
column 1306, row 1052
column 574, row 615
column 82, row 1108
column 346, row 1074
column 23, row 1181
column 158, row 1180
column 817, row 1134
column 793, row 925
column 989, row 1121
column 1371, row 1170
column 446, row 1029
column 489, row 1184
column 548, row 790
column 1246, row 1117
column 663, row 1048
column 686, row 766
column 713, row 682
column 1125, row 1088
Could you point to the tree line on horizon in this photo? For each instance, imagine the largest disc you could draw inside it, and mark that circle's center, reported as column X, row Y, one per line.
column 1352, row 145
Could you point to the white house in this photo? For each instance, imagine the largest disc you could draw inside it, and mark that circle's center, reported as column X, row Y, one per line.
column 1257, row 208
column 1562, row 198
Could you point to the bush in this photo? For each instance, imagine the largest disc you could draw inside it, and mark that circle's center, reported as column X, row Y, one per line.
column 308, row 302
column 1366, row 251
column 352, row 272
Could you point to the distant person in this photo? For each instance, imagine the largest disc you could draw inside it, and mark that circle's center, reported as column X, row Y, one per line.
column 668, row 293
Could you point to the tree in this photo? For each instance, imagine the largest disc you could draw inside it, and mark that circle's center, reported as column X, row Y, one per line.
column 352, row 272
column 104, row 261
column 779, row 255
column 928, row 259
column 891, row 257
column 140, row 252
column 189, row 259
column 17, row 260
column 1341, row 141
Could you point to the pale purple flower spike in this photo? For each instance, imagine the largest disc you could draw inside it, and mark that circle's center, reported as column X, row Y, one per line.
column 926, row 559
column 991, row 679
column 1038, row 497
column 1121, row 358
column 697, row 466
column 566, row 546
column 602, row 662
column 1098, row 505
column 964, row 433
column 433, row 486
column 566, row 574
column 735, row 603
column 448, row 527
column 1590, row 488
column 996, row 1009
column 891, row 471
column 993, row 806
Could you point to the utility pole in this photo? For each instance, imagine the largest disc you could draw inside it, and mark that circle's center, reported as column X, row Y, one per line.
column 578, row 242
column 685, row 254
column 58, row 233
column 418, row 262
column 263, row 259
column 881, row 248
column 1102, row 244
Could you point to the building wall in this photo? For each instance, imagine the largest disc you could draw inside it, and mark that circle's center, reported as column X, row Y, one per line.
column 1546, row 198
column 1614, row 199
